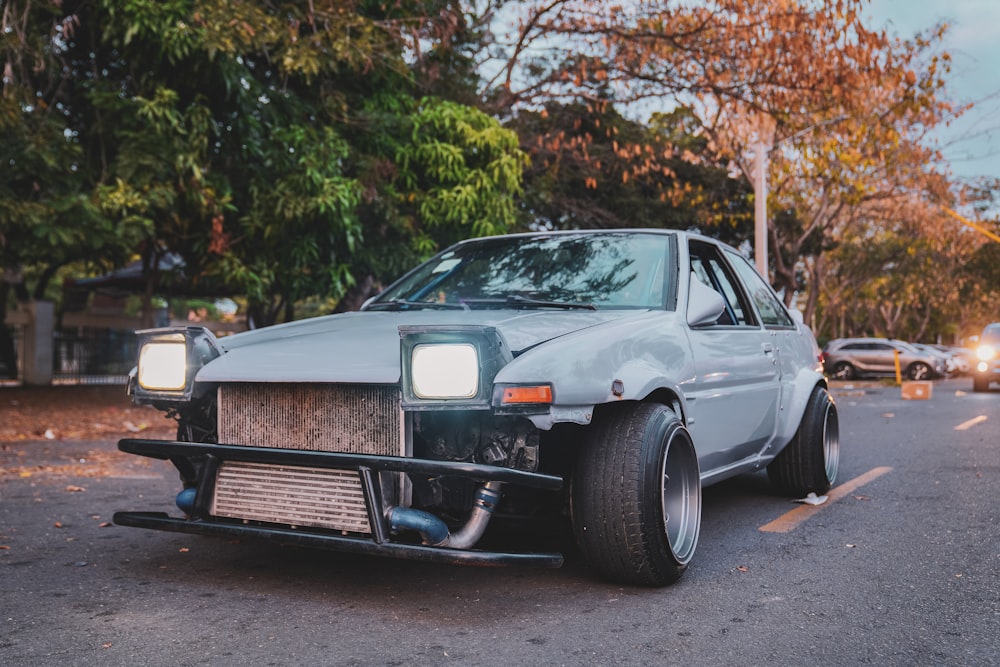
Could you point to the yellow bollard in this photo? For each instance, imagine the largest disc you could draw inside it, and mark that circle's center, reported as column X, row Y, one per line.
column 899, row 372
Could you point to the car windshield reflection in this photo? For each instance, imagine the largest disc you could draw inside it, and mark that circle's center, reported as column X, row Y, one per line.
column 564, row 271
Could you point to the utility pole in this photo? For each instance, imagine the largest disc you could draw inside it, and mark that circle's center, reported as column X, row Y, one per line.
column 765, row 144
column 760, row 206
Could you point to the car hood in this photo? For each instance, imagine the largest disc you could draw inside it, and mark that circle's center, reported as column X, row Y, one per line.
column 364, row 346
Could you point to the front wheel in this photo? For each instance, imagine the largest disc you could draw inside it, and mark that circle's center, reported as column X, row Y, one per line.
column 844, row 371
column 810, row 461
column 919, row 371
column 980, row 383
column 636, row 495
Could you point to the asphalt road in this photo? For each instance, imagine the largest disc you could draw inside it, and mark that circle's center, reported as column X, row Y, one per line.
column 900, row 567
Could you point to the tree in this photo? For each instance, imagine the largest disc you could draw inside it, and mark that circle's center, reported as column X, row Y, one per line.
column 258, row 140
column 591, row 167
column 756, row 73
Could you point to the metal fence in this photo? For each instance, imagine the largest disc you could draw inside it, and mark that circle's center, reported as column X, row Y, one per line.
column 12, row 360
column 80, row 355
column 88, row 355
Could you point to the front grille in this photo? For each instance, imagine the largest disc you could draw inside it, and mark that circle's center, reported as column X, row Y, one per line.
column 354, row 419
column 291, row 495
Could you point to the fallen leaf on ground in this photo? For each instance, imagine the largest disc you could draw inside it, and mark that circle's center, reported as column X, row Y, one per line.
column 75, row 489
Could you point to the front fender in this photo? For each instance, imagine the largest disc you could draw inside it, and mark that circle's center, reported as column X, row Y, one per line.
column 611, row 362
column 800, row 389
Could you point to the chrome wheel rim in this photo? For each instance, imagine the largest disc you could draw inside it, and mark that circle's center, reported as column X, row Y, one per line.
column 831, row 442
column 680, row 496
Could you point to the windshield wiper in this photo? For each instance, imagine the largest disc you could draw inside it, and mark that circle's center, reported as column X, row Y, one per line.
column 527, row 302
column 400, row 304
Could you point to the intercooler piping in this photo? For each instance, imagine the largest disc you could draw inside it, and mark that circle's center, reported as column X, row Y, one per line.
column 435, row 532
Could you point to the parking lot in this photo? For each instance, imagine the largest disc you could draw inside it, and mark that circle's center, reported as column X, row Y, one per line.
column 899, row 567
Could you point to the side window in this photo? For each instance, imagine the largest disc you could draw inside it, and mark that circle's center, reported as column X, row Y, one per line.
column 772, row 311
column 707, row 266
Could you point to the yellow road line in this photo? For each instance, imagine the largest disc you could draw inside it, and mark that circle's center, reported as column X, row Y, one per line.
column 790, row 520
column 965, row 426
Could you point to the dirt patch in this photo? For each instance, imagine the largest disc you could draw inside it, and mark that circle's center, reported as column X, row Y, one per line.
column 77, row 413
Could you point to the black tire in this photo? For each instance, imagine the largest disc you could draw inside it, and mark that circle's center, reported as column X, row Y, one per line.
column 980, row 383
column 843, row 371
column 810, row 461
column 918, row 370
column 636, row 495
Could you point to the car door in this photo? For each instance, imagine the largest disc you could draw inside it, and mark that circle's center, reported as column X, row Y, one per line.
column 880, row 358
column 733, row 404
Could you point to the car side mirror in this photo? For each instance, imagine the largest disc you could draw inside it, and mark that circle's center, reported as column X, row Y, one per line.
column 705, row 305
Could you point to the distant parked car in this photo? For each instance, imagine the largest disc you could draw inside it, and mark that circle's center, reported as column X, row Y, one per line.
column 987, row 368
column 850, row 358
column 948, row 359
column 962, row 357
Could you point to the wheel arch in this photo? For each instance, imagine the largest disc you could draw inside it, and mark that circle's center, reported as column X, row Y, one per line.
column 670, row 398
column 795, row 398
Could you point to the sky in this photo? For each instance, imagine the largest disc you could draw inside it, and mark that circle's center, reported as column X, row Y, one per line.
column 971, row 144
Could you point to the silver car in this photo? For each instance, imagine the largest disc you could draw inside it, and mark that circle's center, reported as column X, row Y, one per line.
column 596, row 378
column 850, row 358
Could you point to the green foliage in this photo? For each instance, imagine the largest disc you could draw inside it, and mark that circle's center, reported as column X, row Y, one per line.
column 258, row 140
column 299, row 154
column 459, row 174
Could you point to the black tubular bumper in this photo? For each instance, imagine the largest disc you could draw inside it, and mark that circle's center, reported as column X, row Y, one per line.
column 201, row 460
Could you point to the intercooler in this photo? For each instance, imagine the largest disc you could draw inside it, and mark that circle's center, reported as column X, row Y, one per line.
column 355, row 419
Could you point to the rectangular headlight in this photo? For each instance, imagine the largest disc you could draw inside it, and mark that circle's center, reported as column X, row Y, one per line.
column 450, row 367
column 163, row 364
column 445, row 370
column 168, row 361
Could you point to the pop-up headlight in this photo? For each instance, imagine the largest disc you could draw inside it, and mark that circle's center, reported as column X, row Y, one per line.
column 445, row 370
column 168, row 361
column 450, row 366
column 163, row 363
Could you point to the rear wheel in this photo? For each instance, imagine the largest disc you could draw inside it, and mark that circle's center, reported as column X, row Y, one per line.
column 810, row 461
column 844, row 371
column 636, row 496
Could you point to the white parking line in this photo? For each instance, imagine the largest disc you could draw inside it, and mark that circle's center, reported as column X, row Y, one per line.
column 965, row 426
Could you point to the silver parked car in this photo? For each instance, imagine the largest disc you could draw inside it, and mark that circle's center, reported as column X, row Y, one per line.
column 850, row 358
column 599, row 378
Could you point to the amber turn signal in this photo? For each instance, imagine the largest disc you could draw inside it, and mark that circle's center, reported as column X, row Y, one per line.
column 536, row 394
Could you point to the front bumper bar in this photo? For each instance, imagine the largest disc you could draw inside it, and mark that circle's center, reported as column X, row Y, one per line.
column 198, row 463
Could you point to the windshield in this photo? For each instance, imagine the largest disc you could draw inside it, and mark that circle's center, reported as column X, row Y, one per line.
column 607, row 270
column 991, row 335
